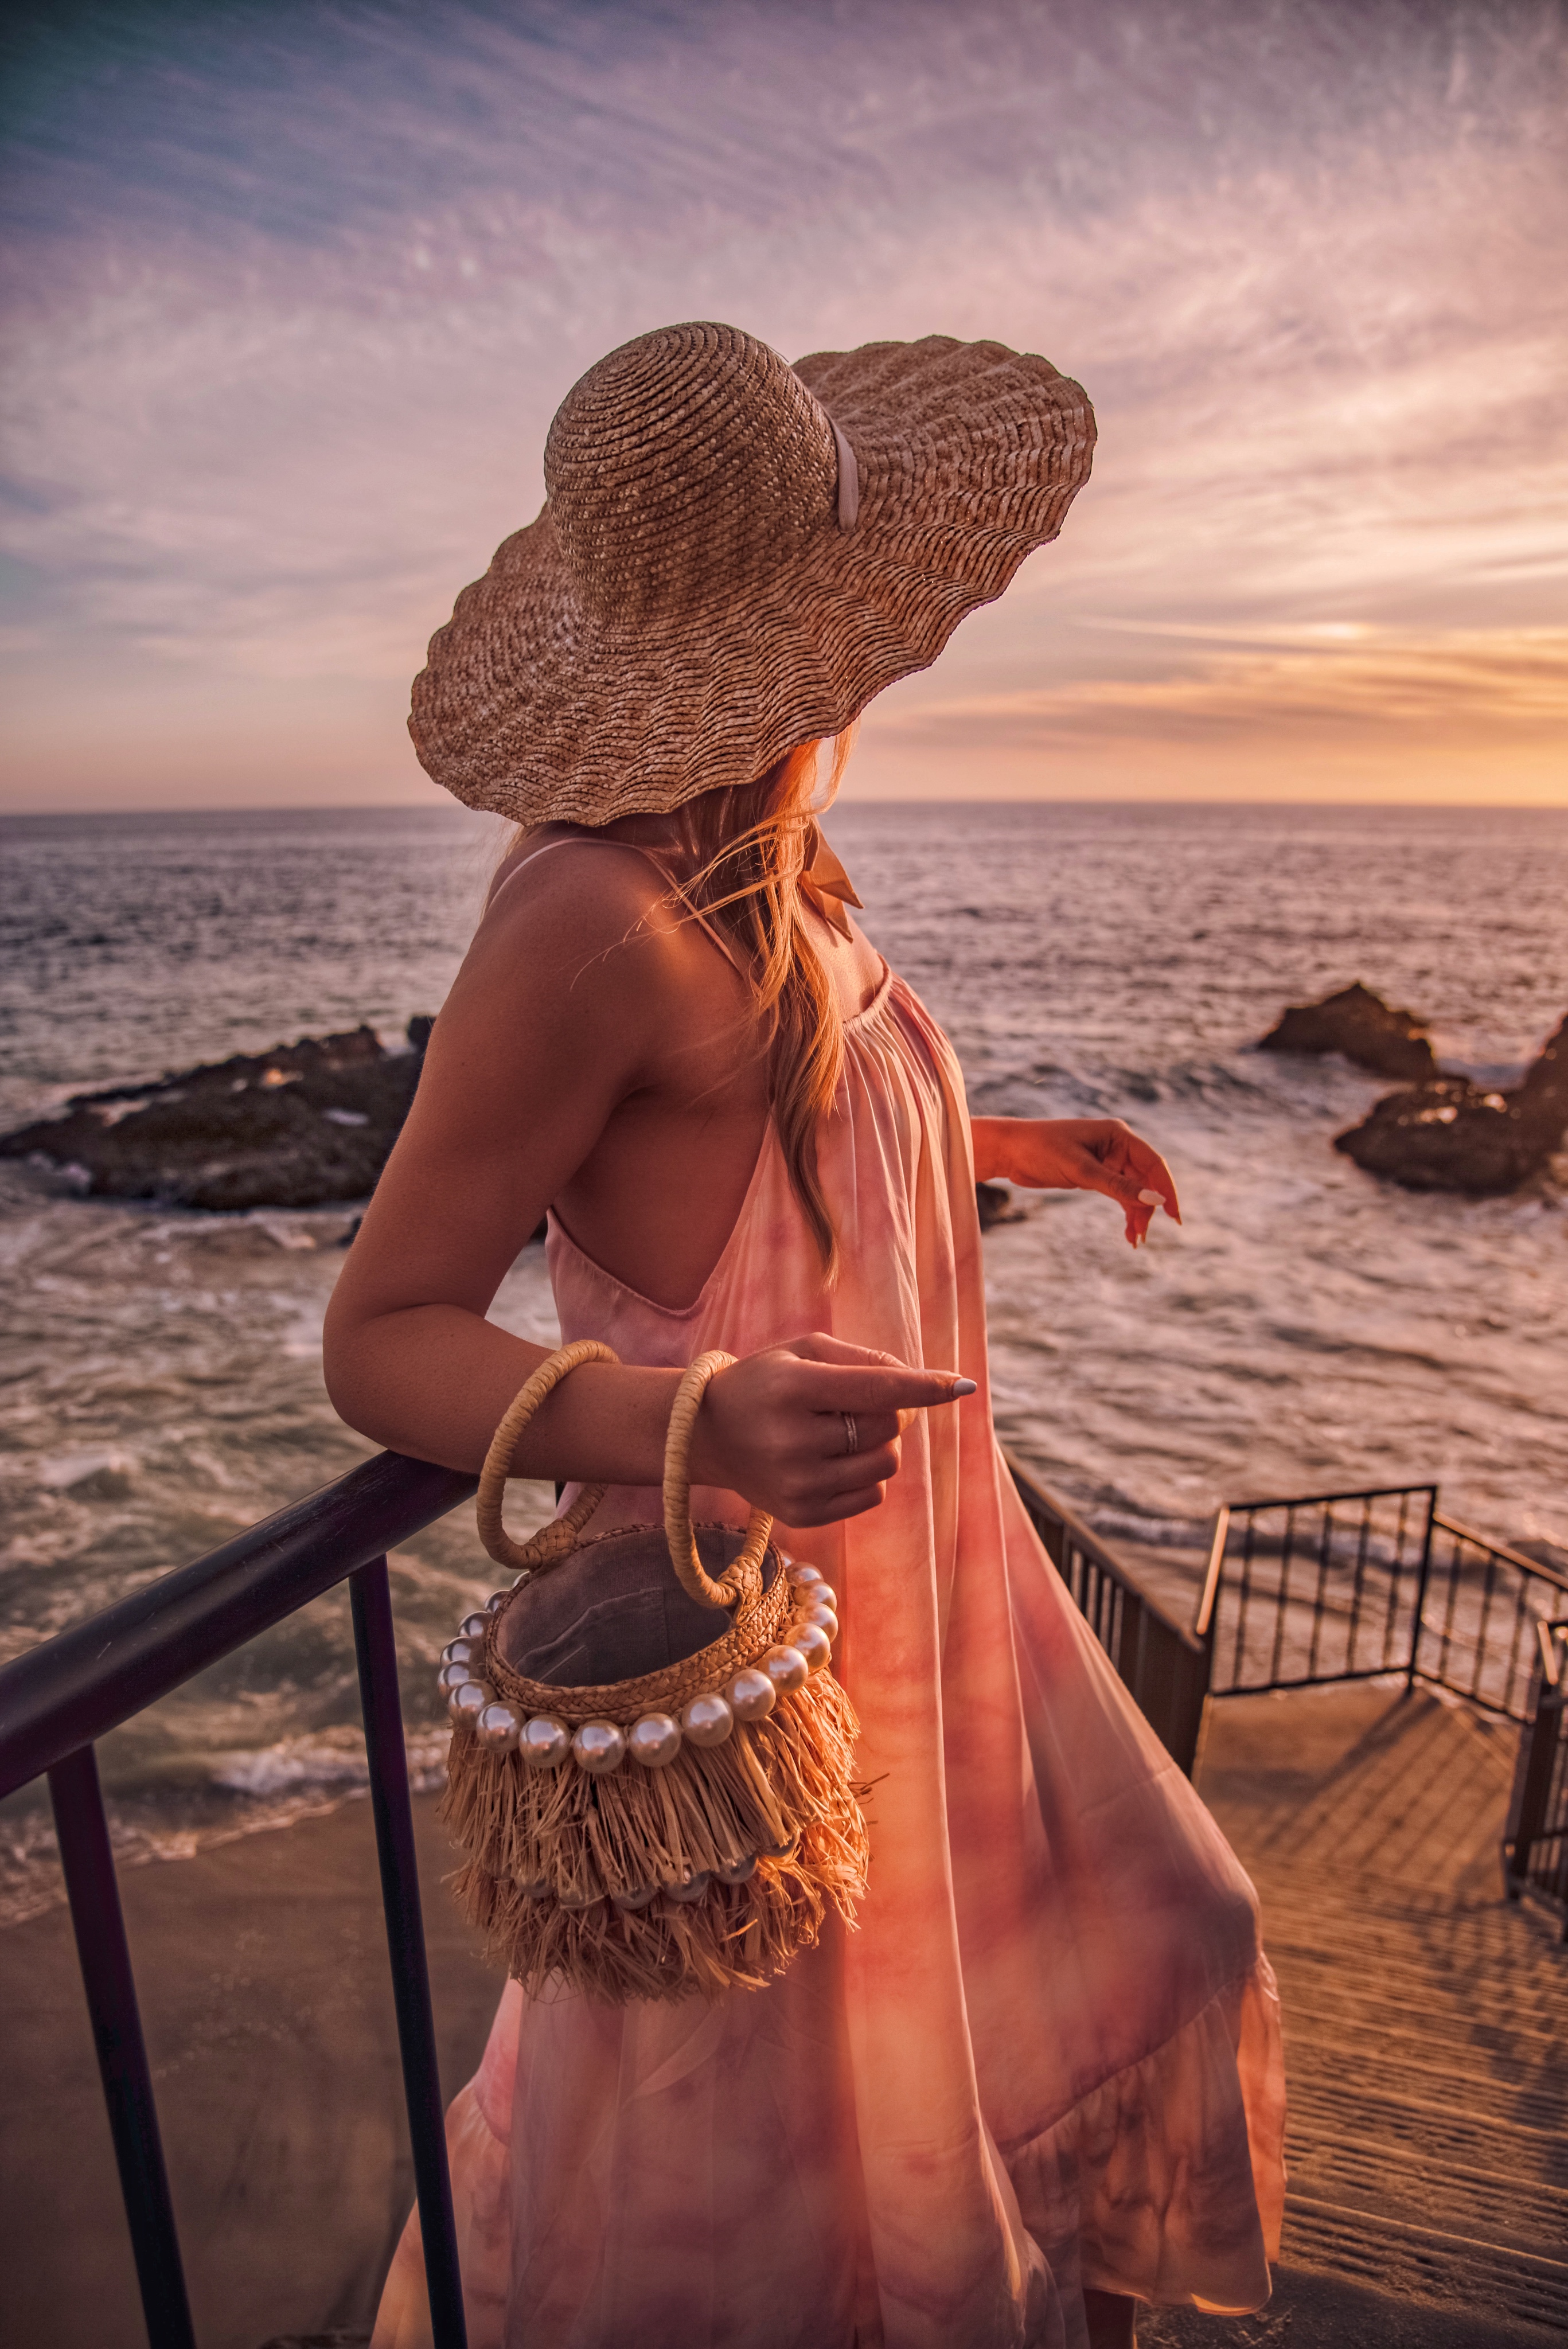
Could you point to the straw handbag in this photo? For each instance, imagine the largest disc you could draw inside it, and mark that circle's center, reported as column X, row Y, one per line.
column 653, row 1799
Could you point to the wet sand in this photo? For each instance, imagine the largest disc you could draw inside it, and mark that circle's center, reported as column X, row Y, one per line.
column 266, row 1998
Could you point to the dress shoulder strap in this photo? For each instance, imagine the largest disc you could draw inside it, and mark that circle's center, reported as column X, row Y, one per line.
column 534, row 854
column 648, row 856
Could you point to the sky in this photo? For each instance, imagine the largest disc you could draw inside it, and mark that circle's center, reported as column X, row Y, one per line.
column 293, row 289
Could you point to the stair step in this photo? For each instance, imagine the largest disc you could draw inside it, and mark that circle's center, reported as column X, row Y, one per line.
column 1416, row 2262
column 1407, row 2182
column 1433, row 2038
column 1493, row 1999
column 1501, row 1924
column 1354, row 2075
column 1534, row 2036
column 1437, row 1944
column 1327, row 2013
column 1510, row 1944
column 1442, row 2132
column 1319, row 2006
column 1426, row 2077
column 1376, row 1940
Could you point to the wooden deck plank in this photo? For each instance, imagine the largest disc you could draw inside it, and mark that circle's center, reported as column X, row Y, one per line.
column 1428, row 2141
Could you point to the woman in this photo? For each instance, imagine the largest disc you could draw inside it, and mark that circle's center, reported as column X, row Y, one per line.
column 1041, row 2081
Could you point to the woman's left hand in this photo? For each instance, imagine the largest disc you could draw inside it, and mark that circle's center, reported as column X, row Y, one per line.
column 1078, row 1153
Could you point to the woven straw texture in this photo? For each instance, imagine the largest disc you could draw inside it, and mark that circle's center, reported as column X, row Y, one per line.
column 753, row 1629
column 686, row 608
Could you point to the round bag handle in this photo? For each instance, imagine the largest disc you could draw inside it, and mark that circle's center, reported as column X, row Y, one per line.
column 743, row 1571
column 556, row 1541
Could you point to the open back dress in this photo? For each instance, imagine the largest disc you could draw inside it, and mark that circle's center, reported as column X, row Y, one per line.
column 1048, row 2056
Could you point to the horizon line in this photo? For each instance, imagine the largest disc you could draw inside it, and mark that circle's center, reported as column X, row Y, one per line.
column 876, row 800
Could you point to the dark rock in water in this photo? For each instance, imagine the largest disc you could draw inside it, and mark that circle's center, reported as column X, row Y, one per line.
column 1360, row 1025
column 995, row 1203
column 1449, row 1135
column 302, row 1126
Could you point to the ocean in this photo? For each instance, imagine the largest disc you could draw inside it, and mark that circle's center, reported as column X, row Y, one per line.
column 1306, row 1329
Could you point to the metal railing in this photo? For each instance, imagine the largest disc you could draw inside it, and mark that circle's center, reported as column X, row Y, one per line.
column 1366, row 1593
column 1165, row 1666
column 1535, row 1851
column 60, row 1696
column 1334, row 1587
column 1483, row 1601
column 58, row 1699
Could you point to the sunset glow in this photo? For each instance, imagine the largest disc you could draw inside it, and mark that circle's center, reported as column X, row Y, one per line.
column 294, row 292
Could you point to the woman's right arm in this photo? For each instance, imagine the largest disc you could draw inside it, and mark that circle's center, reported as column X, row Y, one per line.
column 564, row 1006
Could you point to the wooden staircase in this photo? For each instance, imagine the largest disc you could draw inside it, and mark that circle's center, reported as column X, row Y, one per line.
column 1426, row 2025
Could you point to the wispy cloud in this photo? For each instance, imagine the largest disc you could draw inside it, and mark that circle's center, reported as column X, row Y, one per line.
column 296, row 288
column 1478, row 688
column 1329, row 708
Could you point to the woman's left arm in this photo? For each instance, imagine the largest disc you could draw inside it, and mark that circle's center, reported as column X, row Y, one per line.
column 1077, row 1153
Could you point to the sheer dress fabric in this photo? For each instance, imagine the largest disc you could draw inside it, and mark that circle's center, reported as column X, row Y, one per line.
column 1049, row 2057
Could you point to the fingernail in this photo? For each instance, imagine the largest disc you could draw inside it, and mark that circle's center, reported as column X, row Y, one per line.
column 965, row 1386
column 1151, row 1199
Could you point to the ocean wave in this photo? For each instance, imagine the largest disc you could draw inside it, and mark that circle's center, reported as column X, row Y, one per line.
column 335, row 1759
column 1305, row 1329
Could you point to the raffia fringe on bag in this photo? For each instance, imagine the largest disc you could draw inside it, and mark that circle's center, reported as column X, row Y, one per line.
column 648, row 1810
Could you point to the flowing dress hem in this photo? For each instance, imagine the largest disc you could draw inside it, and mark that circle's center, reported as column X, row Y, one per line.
column 1139, row 2188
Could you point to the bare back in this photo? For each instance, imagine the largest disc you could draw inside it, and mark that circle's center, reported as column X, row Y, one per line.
column 598, row 1054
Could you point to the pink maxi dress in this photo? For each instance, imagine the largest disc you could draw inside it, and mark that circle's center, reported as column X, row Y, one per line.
column 1049, row 2055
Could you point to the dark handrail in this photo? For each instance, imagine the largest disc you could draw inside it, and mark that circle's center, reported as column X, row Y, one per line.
column 67, row 1691
column 1535, row 1845
column 60, row 1696
column 1317, row 1599
column 1514, row 1557
column 1041, row 1501
column 1330, row 1500
column 1163, row 1667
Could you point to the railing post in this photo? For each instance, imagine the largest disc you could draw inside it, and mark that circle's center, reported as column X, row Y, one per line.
column 1208, row 1596
column 99, row 1922
column 1538, row 1768
column 1541, row 1754
column 1183, row 1693
column 1422, row 1572
column 376, row 1649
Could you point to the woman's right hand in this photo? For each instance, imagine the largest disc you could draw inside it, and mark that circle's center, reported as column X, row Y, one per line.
column 775, row 1427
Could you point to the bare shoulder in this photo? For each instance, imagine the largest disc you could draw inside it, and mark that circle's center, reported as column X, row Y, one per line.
column 582, row 959
column 602, row 880
column 584, row 916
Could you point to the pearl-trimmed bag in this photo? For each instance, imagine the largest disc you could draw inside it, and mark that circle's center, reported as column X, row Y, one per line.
column 648, row 1810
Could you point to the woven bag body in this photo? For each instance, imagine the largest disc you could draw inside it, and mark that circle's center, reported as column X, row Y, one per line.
column 653, row 1789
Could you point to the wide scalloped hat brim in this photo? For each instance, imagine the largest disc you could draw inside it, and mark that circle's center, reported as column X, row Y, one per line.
column 541, row 707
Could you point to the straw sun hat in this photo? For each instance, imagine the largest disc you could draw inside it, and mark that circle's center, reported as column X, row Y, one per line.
column 733, row 557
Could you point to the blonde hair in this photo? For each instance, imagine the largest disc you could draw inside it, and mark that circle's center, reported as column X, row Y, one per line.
column 748, row 844
column 749, row 841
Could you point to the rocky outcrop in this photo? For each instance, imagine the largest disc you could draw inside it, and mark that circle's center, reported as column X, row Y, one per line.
column 997, row 1205
column 304, row 1125
column 1449, row 1135
column 1360, row 1025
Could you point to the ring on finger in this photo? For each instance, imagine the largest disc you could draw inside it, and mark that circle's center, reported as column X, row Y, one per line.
column 851, row 1437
